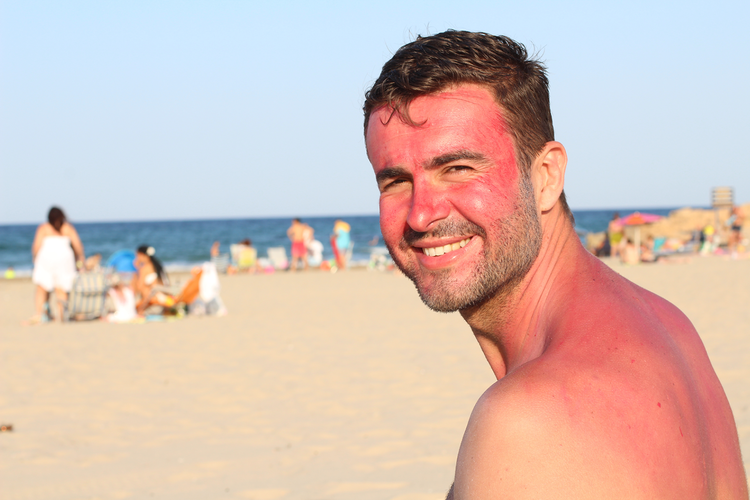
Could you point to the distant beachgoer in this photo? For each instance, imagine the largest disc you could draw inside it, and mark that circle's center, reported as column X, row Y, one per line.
column 629, row 253
column 93, row 263
column 604, row 249
column 615, row 232
column 56, row 250
column 648, row 253
column 735, row 236
column 220, row 260
column 298, row 232
column 308, row 234
column 340, row 241
column 245, row 257
column 708, row 240
column 123, row 300
column 315, row 253
column 150, row 276
column 10, row 273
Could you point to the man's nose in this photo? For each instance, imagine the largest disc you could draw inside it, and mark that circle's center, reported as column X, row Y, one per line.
column 428, row 205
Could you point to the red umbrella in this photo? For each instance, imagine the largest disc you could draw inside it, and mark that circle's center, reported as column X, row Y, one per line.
column 638, row 219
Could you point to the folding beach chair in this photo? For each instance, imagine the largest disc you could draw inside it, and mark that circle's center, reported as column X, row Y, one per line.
column 277, row 256
column 221, row 262
column 88, row 297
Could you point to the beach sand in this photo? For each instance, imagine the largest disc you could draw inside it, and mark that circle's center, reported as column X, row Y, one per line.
column 315, row 386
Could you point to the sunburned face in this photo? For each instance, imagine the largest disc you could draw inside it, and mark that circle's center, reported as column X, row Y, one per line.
column 455, row 214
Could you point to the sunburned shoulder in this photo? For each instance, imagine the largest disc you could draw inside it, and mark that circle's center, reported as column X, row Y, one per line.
column 534, row 437
column 622, row 403
column 589, row 419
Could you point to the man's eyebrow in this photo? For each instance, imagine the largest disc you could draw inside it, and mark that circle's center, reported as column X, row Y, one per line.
column 390, row 173
column 441, row 160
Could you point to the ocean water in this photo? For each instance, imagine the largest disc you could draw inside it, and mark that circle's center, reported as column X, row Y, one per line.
column 182, row 243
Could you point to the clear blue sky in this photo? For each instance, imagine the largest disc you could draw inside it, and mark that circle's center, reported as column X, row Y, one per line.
column 133, row 110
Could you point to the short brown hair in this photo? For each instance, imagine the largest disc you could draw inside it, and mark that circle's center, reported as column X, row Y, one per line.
column 433, row 63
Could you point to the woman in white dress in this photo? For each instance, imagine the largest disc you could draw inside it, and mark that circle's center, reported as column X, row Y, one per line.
column 55, row 251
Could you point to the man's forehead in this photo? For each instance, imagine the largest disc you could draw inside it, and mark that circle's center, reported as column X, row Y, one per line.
column 445, row 103
column 470, row 110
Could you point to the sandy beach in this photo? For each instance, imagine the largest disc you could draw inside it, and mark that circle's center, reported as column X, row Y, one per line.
column 315, row 386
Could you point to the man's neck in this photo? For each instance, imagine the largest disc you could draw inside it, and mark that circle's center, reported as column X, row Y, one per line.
column 512, row 327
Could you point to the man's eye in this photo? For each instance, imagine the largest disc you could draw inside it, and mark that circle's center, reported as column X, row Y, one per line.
column 393, row 183
column 458, row 168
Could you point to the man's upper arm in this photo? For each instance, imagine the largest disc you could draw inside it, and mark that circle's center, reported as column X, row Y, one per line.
column 520, row 445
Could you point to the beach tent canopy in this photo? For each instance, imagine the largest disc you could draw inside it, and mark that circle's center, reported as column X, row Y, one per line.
column 122, row 261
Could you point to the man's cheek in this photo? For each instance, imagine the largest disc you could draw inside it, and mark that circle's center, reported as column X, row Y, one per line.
column 485, row 199
column 392, row 220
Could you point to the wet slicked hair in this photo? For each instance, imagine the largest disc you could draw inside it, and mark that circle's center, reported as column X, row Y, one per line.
column 435, row 63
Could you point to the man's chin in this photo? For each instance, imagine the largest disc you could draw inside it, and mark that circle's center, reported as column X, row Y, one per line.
column 442, row 293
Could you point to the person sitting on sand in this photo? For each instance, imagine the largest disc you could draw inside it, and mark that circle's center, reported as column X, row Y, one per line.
column 123, row 300
column 56, row 251
column 93, row 263
column 245, row 257
column 150, row 276
column 648, row 255
column 629, row 253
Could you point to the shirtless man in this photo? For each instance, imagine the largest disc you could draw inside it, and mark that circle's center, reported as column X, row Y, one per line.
column 298, row 232
column 604, row 390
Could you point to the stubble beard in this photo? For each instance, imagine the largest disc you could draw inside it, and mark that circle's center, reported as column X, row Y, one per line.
column 504, row 264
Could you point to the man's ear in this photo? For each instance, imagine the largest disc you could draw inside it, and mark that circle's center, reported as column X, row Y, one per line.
column 549, row 174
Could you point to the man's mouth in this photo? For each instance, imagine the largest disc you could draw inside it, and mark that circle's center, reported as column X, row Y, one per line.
column 444, row 249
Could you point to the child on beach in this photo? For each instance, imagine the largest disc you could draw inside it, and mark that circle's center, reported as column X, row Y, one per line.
column 123, row 300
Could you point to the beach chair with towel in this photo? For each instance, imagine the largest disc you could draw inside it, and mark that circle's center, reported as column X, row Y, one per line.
column 277, row 256
column 88, row 296
column 221, row 262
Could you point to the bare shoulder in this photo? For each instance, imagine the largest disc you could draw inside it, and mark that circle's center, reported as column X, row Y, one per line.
column 68, row 230
column 625, row 404
column 527, row 438
column 582, row 431
column 44, row 229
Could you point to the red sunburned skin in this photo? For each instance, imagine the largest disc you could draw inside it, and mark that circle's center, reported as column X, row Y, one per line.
column 457, row 167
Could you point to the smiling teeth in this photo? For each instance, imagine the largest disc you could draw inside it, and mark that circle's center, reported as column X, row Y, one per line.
column 436, row 251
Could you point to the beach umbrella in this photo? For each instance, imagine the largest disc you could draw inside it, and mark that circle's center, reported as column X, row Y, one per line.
column 122, row 261
column 638, row 219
